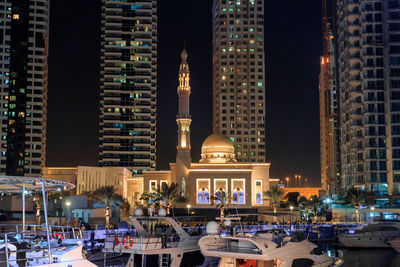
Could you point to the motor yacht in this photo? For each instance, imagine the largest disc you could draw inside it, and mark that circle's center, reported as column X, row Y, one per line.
column 395, row 243
column 156, row 240
column 375, row 235
column 260, row 250
column 40, row 246
column 31, row 249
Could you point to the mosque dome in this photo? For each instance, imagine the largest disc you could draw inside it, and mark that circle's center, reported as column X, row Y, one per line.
column 217, row 148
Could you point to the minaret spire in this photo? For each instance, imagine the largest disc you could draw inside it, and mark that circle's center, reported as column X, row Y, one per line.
column 183, row 119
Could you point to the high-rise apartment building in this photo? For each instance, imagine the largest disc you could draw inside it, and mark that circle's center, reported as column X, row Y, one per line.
column 24, row 39
column 128, row 84
column 368, row 52
column 239, row 76
column 328, row 108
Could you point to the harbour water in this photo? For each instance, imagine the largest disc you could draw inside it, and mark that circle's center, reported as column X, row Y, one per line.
column 385, row 257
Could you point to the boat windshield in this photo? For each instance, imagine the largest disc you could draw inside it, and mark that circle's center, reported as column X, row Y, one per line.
column 379, row 227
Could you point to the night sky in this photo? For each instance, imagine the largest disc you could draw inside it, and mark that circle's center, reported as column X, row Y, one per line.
column 292, row 43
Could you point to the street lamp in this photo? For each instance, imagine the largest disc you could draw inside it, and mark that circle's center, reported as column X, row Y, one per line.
column 299, row 180
column 372, row 209
column 188, row 207
column 287, row 181
column 68, row 203
column 291, row 209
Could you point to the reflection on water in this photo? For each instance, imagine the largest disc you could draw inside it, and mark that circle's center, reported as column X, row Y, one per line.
column 364, row 257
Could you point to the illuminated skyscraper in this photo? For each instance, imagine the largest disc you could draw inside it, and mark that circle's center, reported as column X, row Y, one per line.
column 239, row 76
column 24, row 40
column 368, row 52
column 128, row 84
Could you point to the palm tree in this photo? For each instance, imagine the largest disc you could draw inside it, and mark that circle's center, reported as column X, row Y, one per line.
column 150, row 198
column 168, row 195
column 221, row 200
column 125, row 207
column 356, row 198
column 107, row 195
column 292, row 198
column 315, row 203
column 275, row 195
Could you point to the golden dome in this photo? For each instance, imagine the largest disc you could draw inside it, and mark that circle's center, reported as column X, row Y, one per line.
column 217, row 148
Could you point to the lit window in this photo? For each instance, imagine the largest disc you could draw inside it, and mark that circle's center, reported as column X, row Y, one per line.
column 15, row 16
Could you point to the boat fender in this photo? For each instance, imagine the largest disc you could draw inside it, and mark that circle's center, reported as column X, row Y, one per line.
column 126, row 240
column 57, row 236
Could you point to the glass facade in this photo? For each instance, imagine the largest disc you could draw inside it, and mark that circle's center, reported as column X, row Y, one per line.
column 128, row 85
column 368, row 47
column 239, row 76
column 24, row 36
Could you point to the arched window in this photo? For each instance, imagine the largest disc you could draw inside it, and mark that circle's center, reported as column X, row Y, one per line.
column 203, row 196
column 238, row 196
column 220, row 194
column 235, row 197
column 217, row 197
column 241, row 197
column 258, row 198
column 200, row 197
column 183, row 186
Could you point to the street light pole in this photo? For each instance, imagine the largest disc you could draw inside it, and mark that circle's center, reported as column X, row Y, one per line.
column 68, row 203
column 188, row 208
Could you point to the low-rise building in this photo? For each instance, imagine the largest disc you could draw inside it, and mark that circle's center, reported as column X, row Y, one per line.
column 68, row 174
column 91, row 178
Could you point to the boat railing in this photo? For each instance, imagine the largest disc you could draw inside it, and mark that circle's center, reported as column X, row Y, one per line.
column 141, row 243
column 27, row 248
column 228, row 247
column 56, row 231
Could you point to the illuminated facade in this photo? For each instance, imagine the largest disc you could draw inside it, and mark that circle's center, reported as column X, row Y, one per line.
column 369, row 80
column 91, row 178
column 69, row 174
column 24, row 44
column 128, row 85
column 218, row 171
column 328, row 109
column 239, row 76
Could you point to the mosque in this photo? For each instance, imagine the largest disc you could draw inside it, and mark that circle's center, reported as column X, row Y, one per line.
column 218, row 170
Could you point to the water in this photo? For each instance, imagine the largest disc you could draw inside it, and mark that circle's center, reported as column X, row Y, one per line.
column 385, row 257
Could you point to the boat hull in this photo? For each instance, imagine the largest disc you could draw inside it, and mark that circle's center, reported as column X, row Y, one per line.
column 361, row 241
column 395, row 244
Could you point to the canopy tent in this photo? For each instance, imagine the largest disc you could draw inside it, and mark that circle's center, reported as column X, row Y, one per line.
column 24, row 184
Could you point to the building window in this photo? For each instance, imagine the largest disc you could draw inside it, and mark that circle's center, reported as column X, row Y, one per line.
column 380, row 189
column 258, row 191
column 203, row 191
column 220, row 189
column 238, row 191
column 163, row 182
column 183, row 186
column 152, row 186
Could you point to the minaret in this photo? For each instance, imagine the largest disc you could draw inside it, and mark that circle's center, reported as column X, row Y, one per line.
column 183, row 119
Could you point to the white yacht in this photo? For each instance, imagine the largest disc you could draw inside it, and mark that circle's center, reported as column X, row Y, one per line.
column 40, row 247
column 375, row 235
column 156, row 241
column 252, row 250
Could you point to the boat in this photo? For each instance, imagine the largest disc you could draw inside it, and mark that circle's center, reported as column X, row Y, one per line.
column 156, row 241
column 395, row 243
column 239, row 250
column 41, row 247
column 375, row 235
